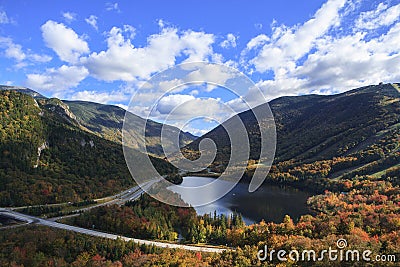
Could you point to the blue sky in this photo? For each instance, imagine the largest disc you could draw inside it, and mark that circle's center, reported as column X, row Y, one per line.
column 103, row 51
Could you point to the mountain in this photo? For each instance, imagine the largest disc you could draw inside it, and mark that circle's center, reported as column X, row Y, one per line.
column 107, row 121
column 54, row 151
column 335, row 136
column 46, row 156
column 23, row 90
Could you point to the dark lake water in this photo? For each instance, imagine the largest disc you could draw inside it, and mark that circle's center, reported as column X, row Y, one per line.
column 269, row 202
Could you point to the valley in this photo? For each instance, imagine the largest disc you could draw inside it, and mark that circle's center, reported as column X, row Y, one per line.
column 333, row 176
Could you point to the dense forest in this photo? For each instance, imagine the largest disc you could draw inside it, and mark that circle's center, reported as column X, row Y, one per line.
column 367, row 216
column 322, row 140
column 148, row 218
column 46, row 157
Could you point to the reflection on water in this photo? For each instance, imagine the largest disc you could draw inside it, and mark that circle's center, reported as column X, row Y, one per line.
column 269, row 202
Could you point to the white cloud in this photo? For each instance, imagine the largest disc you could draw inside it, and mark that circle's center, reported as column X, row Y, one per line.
column 168, row 103
column 175, row 84
column 321, row 56
column 230, row 41
column 16, row 52
column 238, row 104
column 178, row 109
column 112, row 7
column 123, row 61
column 39, row 58
column 100, row 97
column 196, row 45
column 56, row 80
column 257, row 41
column 194, row 131
column 69, row 16
column 92, row 21
column 161, row 23
column 4, row 18
column 64, row 41
column 289, row 44
column 352, row 61
column 212, row 74
column 130, row 30
column 381, row 16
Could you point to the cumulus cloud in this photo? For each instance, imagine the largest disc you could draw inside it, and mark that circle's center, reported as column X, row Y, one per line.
column 257, row 41
column 56, row 80
column 197, row 46
column 64, row 41
column 92, row 21
column 214, row 75
column 319, row 56
column 168, row 103
column 230, row 41
column 16, row 52
column 381, row 16
column 130, row 30
column 175, row 85
column 191, row 96
column 100, row 97
column 181, row 108
column 291, row 43
column 353, row 61
column 123, row 61
column 69, row 16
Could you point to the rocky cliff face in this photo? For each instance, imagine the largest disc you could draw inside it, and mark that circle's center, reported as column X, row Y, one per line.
column 57, row 106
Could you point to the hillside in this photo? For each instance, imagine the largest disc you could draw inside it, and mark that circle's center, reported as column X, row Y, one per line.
column 107, row 122
column 47, row 157
column 23, row 90
column 336, row 136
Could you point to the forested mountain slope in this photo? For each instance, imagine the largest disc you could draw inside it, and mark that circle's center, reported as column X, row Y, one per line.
column 47, row 157
column 335, row 136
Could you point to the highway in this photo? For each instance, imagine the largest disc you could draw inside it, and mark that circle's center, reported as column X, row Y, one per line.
column 119, row 198
column 127, row 195
column 130, row 194
column 35, row 220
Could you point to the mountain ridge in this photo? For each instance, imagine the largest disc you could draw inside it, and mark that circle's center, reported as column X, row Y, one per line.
column 321, row 130
column 45, row 157
column 107, row 121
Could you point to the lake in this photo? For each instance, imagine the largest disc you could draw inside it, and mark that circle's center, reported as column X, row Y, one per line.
column 269, row 202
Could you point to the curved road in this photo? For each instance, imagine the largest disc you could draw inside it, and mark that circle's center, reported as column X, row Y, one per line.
column 31, row 219
column 130, row 194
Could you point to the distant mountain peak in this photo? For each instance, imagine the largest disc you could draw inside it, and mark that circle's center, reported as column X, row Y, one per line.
column 313, row 128
column 23, row 90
